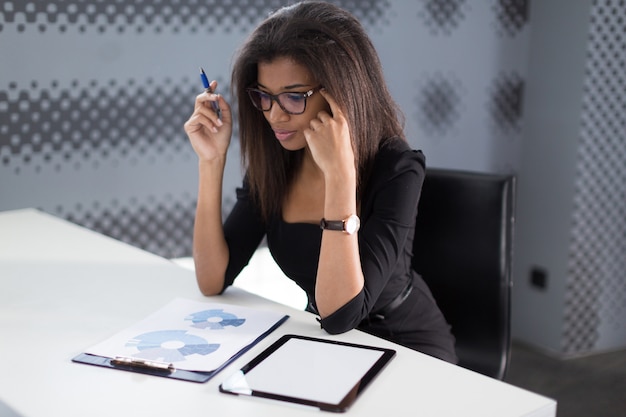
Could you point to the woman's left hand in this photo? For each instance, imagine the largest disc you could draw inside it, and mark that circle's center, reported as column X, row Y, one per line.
column 328, row 138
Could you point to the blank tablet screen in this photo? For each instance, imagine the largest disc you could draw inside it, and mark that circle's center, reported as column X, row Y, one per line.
column 309, row 371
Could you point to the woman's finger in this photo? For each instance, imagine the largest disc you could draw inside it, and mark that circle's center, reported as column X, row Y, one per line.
column 334, row 107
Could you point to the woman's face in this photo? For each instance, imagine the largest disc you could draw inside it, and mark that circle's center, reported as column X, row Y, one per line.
column 284, row 75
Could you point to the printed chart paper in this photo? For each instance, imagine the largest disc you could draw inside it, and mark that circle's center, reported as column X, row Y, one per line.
column 191, row 335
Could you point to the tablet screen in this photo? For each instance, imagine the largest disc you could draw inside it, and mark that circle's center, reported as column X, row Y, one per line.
column 323, row 373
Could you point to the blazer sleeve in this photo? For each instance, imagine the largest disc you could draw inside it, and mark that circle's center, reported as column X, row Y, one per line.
column 244, row 230
column 388, row 215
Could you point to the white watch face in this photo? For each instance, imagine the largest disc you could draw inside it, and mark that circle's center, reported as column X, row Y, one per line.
column 352, row 224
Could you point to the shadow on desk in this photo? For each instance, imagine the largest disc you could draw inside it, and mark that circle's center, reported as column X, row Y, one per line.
column 6, row 411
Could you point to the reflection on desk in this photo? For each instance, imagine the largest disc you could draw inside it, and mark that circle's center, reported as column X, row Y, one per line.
column 64, row 288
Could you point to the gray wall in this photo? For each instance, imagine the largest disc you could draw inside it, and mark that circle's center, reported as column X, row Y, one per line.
column 571, row 222
column 93, row 96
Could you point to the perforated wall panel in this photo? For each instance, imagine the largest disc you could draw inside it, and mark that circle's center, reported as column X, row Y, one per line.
column 595, row 309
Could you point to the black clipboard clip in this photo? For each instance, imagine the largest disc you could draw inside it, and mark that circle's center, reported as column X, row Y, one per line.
column 128, row 362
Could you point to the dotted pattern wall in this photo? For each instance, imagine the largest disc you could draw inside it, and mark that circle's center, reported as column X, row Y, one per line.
column 446, row 102
column 175, row 16
column 104, row 146
column 443, row 17
column 159, row 224
column 91, row 124
column 596, row 289
column 505, row 104
column 134, row 16
column 439, row 104
column 121, row 138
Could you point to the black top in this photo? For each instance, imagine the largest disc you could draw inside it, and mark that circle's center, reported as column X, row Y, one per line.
column 388, row 213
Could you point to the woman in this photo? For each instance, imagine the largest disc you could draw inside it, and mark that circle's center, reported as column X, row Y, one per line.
column 330, row 180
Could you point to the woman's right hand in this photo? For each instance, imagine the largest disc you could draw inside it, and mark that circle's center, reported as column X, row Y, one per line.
column 210, row 136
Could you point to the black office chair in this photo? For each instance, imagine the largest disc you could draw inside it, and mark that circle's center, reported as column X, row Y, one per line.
column 463, row 250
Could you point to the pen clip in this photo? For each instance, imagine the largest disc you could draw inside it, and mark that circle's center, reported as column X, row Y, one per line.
column 143, row 364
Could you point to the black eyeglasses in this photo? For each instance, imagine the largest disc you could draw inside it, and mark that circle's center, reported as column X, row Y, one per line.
column 291, row 103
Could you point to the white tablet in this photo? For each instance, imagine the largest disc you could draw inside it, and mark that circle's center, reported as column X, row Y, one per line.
column 326, row 374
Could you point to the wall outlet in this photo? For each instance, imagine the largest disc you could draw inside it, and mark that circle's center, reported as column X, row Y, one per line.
column 539, row 278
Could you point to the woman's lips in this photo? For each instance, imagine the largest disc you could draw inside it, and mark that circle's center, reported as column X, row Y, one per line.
column 283, row 134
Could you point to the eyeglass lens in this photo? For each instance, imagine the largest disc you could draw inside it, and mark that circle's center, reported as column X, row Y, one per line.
column 294, row 103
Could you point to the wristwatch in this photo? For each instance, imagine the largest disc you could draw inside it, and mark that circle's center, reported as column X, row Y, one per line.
column 349, row 225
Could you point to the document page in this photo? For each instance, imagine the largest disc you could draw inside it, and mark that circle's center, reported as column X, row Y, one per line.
column 190, row 335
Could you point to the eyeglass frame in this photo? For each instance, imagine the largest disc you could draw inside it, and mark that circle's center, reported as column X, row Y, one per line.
column 274, row 98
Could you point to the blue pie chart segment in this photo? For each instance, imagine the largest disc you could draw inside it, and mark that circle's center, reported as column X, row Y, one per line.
column 215, row 319
column 170, row 345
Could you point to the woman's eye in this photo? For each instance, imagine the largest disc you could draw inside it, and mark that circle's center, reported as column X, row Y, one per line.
column 294, row 96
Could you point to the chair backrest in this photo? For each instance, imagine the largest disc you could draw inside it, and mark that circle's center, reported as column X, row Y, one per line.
column 463, row 250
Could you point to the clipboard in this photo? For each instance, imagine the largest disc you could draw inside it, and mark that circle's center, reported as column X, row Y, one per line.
column 325, row 374
column 163, row 369
column 152, row 347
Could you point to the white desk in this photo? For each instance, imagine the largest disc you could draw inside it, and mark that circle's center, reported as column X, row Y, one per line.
column 64, row 288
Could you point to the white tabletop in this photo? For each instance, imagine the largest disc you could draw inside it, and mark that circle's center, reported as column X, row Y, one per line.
column 64, row 288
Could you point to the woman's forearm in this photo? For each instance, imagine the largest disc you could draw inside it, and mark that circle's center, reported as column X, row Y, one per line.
column 339, row 275
column 210, row 250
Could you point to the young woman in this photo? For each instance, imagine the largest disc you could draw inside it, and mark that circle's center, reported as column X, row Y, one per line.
column 330, row 180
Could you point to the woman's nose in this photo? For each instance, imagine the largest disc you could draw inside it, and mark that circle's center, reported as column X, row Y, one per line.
column 276, row 113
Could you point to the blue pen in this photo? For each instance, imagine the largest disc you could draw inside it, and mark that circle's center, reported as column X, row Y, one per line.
column 207, row 88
